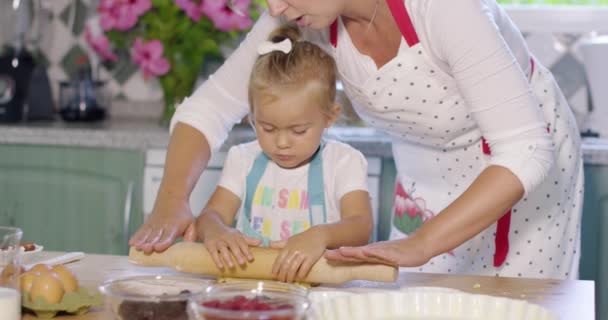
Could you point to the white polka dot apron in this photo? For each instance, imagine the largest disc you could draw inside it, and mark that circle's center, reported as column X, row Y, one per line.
column 438, row 151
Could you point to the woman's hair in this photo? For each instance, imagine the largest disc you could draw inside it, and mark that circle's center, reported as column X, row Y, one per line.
column 306, row 64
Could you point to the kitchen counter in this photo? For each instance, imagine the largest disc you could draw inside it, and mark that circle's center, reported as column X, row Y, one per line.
column 567, row 299
column 145, row 133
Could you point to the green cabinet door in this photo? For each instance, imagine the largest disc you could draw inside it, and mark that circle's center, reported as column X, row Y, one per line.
column 594, row 235
column 72, row 199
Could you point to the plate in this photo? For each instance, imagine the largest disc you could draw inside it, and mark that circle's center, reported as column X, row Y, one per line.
column 424, row 304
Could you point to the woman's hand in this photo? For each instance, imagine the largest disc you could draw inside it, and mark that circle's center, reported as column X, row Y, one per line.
column 298, row 254
column 408, row 252
column 170, row 219
column 226, row 244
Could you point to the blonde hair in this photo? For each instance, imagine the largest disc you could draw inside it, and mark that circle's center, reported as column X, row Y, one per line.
column 306, row 63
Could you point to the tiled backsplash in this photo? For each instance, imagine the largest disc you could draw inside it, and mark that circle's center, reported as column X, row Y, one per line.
column 558, row 53
column 67, row 25
column 556, row 50
column 554, row 35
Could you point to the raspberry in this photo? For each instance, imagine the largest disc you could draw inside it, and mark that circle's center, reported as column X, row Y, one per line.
column 242, row 303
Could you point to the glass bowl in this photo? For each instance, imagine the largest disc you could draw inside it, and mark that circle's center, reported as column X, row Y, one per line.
column 151, row 297
column 250, row 300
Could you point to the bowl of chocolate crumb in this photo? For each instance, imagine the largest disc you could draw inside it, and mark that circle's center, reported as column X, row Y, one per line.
column 151, row 297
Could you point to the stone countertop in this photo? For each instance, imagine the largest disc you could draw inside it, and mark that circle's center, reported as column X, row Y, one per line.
column 143, row 134
column 137, row 134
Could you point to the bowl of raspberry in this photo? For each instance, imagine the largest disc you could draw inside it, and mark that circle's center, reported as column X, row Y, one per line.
column 250, row 300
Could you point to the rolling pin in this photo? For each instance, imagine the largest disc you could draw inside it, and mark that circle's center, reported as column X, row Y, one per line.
column 190, row 257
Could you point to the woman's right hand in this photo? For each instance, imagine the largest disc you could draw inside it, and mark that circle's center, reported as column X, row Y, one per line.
column 226, row 244
column 170, row 219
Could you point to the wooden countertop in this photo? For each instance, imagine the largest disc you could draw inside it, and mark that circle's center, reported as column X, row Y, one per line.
column 567, row 299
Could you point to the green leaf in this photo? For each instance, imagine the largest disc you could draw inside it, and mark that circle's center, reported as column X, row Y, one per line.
column 407, row 225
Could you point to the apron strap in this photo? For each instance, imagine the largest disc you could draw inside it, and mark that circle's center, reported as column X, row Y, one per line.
column 333, row 33
column 253, row 180
column 401, row 16
column 404, row 22
column 501, row 241
column 316, row 190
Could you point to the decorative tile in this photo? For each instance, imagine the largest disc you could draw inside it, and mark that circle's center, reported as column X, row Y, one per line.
column 59, row 42
column 57, row 6
column 74, row 16
column 569, row 73
column 103, row 74
column 579, row 103
column 559, row 52
column 543, row 48
column 568, row 40
column 123, row 69
column 137, row 88
column 111, row 88
column 73, row 60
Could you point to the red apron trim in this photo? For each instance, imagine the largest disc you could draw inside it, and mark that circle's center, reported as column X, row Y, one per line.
column 501, row 241
column 402, row 18
column 531, row 68
column 333, row 34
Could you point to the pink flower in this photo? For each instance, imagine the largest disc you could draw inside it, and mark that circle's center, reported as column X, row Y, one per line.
column 100, row 44
column 227, row 19
column 149, row 56
column 193, row 10
column 138, row 7
column 121, row 14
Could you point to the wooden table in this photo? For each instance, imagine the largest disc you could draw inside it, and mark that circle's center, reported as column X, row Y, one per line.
column 567, row 299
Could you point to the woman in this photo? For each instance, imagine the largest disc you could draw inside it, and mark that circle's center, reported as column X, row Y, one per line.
column 487, row 151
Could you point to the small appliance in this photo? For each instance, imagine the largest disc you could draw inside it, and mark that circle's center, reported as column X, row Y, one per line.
column 25, row 92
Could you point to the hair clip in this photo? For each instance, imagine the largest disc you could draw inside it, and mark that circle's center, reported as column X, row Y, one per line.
column 269, row 46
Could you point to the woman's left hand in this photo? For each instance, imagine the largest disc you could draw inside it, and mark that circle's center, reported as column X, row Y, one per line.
column 406, row 252
column 298, row 254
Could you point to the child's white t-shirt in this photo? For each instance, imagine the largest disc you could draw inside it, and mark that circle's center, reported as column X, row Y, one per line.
column 280, row 206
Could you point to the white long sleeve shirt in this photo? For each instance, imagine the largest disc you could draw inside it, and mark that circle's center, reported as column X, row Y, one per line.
column 473, row 41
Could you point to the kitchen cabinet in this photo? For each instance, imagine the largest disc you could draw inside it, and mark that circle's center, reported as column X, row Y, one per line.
column 594, row 236
column 72, row 198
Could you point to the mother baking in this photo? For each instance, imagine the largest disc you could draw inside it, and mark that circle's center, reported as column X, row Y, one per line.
column 486, row 147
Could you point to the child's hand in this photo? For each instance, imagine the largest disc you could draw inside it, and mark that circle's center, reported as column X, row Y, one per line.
column 225, row 243
column 299, row 253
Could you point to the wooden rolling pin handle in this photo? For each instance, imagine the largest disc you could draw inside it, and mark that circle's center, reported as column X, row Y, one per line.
column 194, row 258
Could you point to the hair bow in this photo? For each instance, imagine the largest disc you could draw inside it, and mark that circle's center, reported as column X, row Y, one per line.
column 269, row 46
